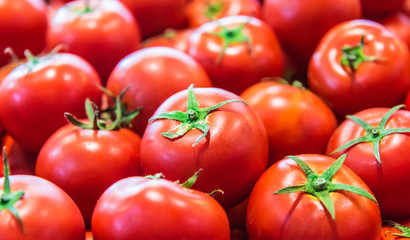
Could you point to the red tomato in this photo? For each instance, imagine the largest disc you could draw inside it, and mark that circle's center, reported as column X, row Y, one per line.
column 155, row 17
column 380, row 8
column 300, row 25
column 35, row 95
column 103, row 32
column 237, row 51
column 20, row 160
column 33, row 208
column 399, row 24
column 296, row 120
column 151, row 209
column 23, row 25
column 232, row 154
column 301, row 215
column 382, row 67
column 153, row 75
column 396, row 230
column 389, row 178
column 178, row 39
column 202, row 11
column 85, row 162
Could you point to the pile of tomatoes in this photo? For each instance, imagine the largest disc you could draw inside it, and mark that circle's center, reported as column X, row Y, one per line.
column 204, row 119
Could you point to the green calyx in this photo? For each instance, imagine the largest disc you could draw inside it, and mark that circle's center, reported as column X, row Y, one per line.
column 212, row 9
column 374, row 134
column 8, row 198
column 321, row 186
column 118, row 112
column 405, row 231
column 353, row 56
column 32, row 60
column 231, row 36
column 194, row 118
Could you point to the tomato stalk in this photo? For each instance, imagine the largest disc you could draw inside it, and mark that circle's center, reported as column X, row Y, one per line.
column 194, row 118
column 212, row 9
column 353, row 56
column 405, row 231
column 230, row 36
column 374, row 134
column 8, row 198
column 321, row 186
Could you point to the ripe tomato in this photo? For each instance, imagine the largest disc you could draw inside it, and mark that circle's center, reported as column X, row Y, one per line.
column 23, row 25
column 300, row 25
column 154, row 17
column 102, row 32
column 202, row 11
column 395, row 230
column 349, row 86
column 237, row 51
column 233, row 152
column 85, row 159
column 152, row 209
column 399, row 24
column 153, row 75
column 379, row 8
column 316, row 207
column 35, row 95
column 178, row 39
column 379, row 159
column 20, row 160
column 296, row 120
column 33, row 208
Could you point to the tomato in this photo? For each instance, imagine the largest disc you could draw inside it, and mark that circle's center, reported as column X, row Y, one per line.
column 153, row 75
column 379, row 8
column 297, row 121
column 381, row 157
column 299, row 25
column 202, row 11
column 155, row 17
column 23, row 25
column 395, row 230
column 102, row 32
column 229, row 143
column 33, row 208
column 152, row 209
column 84, row 159
column 35, row 95
column 399, row 24
column 178, row 39
column 320, row 207
column 21, row 161
column 349, row 86
column 237, row 51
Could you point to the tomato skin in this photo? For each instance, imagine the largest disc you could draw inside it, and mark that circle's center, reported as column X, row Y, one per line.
column 297, row 121
column 23, row 25
column 242, row 64
column 178, row 39
column 399, row 24
column 299, row 25
column 102, row 36
column 379, row 8
column 389, row 179
column 34, row 101
column 46, row 211
column 196, row 9
column 85, row 162
column 347, row 94
column 232, row 155
column 141, row 208
column 154, row 18
column 154, row 74
column 272, row 216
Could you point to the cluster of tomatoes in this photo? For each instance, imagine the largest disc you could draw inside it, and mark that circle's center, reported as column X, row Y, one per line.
column 181, row 119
